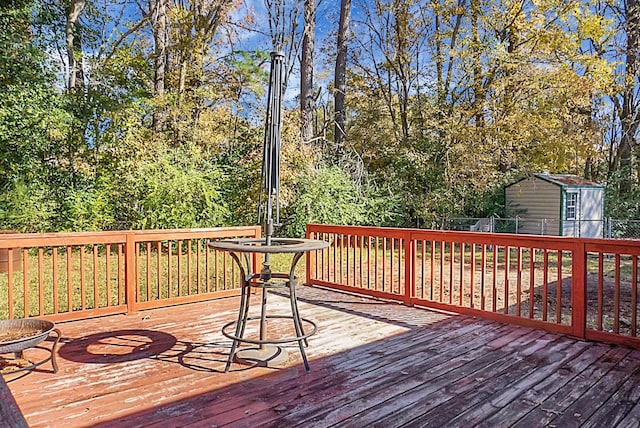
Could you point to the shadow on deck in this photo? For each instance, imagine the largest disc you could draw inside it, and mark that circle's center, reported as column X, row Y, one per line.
column 372, row 364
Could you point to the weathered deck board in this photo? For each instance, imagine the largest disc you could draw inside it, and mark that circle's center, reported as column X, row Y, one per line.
column 372, row 364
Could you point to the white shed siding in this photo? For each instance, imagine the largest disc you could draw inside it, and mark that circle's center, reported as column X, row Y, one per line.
column 589, row 217
column 537, row 199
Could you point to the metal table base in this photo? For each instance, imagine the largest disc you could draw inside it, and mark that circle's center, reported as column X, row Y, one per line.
column 267, row 352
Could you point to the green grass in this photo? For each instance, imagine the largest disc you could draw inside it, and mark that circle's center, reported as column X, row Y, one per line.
column 90, row 277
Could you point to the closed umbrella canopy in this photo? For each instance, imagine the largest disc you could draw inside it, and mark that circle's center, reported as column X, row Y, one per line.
column 270, row 182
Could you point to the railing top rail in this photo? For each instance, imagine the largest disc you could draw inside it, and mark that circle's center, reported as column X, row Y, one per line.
column 359, row 230
column 218, row 232
column 631, row 247
column 500, row 239
column 28, row 240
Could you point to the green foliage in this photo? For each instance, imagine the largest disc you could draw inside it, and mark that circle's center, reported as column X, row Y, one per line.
column 325, row 195
column 171, row 188
column 86, row 209
column 26, row 207
column 621, row 202
column 328, row 195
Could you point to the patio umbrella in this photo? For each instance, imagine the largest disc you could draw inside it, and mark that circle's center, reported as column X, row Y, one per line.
column 269, row 206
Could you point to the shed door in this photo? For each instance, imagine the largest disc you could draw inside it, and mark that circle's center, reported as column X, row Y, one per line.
column 590, row 213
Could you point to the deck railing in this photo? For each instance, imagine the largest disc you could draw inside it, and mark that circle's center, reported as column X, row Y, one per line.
column 64, row 276
column 587, row 288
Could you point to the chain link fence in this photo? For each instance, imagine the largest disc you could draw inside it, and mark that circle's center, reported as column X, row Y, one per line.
column 607, row 228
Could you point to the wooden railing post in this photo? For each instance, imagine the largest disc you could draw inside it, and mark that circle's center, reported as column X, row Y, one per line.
column 130, row 272
column 579, row 289
column 409, row 277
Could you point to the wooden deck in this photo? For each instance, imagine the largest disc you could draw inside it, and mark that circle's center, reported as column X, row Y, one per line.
column 372, row 364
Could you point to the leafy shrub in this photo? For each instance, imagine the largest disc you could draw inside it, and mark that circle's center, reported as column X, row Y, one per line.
column 328, row 195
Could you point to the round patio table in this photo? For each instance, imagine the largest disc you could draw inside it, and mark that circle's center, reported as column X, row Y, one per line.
column 268, row 353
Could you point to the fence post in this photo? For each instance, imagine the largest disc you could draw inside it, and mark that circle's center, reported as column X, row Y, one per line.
column 130, row 272
column 409, row 278
column 579, row 289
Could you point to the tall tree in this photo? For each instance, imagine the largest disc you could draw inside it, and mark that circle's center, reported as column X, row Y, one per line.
column 627, row 103
column 159, row 28
column 340, row 76
column 74, row 48
column 307, row 99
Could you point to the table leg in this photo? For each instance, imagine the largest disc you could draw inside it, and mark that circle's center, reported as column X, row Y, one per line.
column 297, row 322
column 243, row 312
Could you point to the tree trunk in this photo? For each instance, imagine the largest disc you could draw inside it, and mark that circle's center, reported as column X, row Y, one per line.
column 75, row 67
column 160, row 58
column 629, row 110
column 307, row 102
column 478, row 93
column 341, row 76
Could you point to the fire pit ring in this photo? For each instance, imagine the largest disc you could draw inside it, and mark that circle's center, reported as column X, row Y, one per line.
column 17, row 335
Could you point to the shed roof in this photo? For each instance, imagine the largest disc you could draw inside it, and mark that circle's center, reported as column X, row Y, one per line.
column 564, row 180
column 567, row 180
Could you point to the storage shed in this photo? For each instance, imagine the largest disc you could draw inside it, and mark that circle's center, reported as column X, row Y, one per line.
column 557, row 204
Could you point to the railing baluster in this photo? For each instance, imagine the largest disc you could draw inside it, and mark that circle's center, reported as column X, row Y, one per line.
column 432, row 269
column 170, row 292
column 422, row 268
column 494, row 295
column 121, row 273
column 148, row 272
column 472, row 271
column 25, row 282
column 346, row 250
column 384, row 263
column 441, row 271
column 519, row 281
column 634, row 294
column 461, row 273
column 224, row 271
column 159, row 268
column 83, row 283
column 41, row 281
column 601, row 268
column 545, row 284
column 451, row 262
column 559, row 290
column 483, row 277
column 376, row 264
column 69, row 284
column 54, row 265
column 96, row 294
column 360, row 257
column 189, row 283
column 532, row 281
column 616, row 296
column 198, row 279
column 507, row 264
column 216, row 268
column 179, row 274
column 107, row 268
column 368, row 261
column 10, row 284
